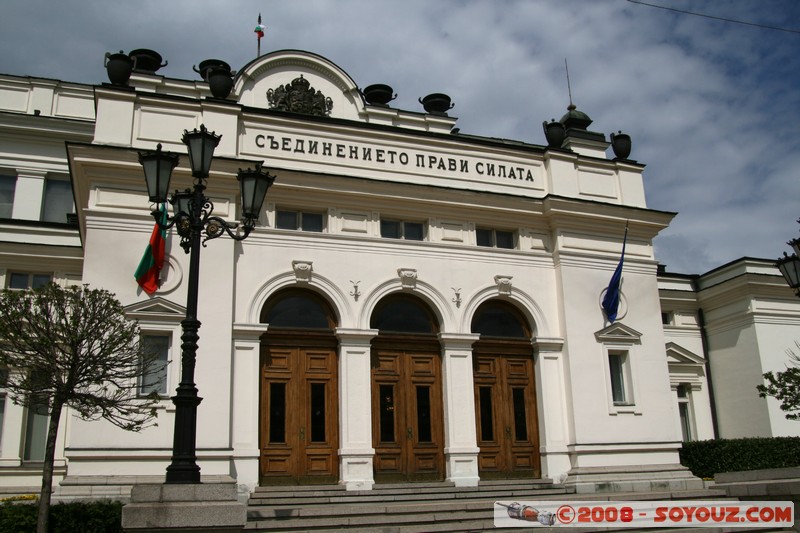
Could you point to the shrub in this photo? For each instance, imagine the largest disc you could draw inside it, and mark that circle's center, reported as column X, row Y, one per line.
column 708, row 457
column 73, row 517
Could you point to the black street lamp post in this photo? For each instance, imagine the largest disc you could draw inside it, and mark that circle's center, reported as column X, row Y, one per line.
column 192, row 218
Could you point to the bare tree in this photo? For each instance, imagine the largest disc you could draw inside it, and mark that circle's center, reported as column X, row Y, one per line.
column 73, row 347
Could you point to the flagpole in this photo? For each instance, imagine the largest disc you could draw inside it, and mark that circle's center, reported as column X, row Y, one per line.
column 259, row 31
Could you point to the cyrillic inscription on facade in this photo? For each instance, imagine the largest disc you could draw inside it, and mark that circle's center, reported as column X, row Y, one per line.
column 391, row 159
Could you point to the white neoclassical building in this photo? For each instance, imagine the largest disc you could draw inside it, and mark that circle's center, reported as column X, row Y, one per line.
column 415, row 303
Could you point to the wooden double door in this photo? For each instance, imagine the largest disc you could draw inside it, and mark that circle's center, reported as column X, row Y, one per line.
column 407, row 426
column 505, row 409
column 299, row 434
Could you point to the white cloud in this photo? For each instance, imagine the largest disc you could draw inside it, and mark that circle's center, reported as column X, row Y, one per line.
column 713, row 107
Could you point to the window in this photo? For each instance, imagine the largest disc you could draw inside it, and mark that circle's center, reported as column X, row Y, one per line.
column 58, row 201
column 154, row 378
column 397, row 229
column 401, row 313
column 499, row 319
column 494, row 238
column 386, row 415
column 666, row 319
column 684, row 411
column 299, row 220
column 3, row 381
column 620, row 362
column 619, row 371
column 36, row 431
column 8, row 185
column 26, row 280
column 277, row 412
column 298, row 309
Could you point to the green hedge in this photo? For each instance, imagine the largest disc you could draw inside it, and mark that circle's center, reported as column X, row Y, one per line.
column 73, row 517
column 708, row 457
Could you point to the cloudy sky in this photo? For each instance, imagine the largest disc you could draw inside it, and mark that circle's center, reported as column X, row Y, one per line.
column 713, row 107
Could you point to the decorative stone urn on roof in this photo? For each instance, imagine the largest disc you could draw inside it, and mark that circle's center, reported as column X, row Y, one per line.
column 218, row 75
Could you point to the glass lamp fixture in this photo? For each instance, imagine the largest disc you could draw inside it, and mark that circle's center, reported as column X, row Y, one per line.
column 181, row 202
column 789, row 265
column 158, row 166
column 254, row 185
column 201, row 144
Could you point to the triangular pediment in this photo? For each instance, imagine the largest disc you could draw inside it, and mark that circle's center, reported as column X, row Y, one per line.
column 678, row 355
column 619, row 333
column 157, row 308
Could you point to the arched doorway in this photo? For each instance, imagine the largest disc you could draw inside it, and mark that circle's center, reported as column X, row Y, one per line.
column 299, row 429
column 505, row 393
column 407, row 412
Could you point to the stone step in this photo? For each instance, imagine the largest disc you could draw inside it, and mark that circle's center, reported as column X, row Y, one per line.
column 539, row 483
column 377, row 498
column 388, row 507
column 434, row 508
column 373, row 509
column 299, row 488
column 322, row 491
column 421, row 518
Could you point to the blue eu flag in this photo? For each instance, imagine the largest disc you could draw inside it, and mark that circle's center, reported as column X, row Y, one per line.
column 611, row 299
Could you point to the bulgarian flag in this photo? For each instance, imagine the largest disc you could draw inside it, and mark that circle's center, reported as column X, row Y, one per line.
column 148, row 273
column 260, row 28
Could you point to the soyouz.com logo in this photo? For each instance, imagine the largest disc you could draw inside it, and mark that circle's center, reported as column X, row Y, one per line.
column 695, row 513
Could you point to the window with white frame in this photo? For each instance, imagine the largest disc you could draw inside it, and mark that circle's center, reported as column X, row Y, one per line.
column 400, row 229
column 685, row 411
column 619, row 376
column 58, row 201
column 159, row 320
column 495, row 238
column 36, row 423
column 619, row 361
column 8, row 185
column 154, row 377
column 3, row 394
column 27, row 280
column 299, row 220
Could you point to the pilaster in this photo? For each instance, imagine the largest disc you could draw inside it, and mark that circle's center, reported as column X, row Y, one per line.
column 246, row 372
column 461, row 445
column 356, row 452
column 554, row 418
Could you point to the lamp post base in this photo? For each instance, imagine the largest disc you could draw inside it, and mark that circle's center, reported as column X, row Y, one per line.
column 184, row 467
column 201, row 508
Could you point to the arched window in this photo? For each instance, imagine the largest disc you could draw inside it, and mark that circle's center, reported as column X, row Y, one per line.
column 500, row 319
column 403, row 314
column 299, row 310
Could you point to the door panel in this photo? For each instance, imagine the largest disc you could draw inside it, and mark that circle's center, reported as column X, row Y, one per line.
column 408, row 435
column 505, row 408
column 299, row 423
